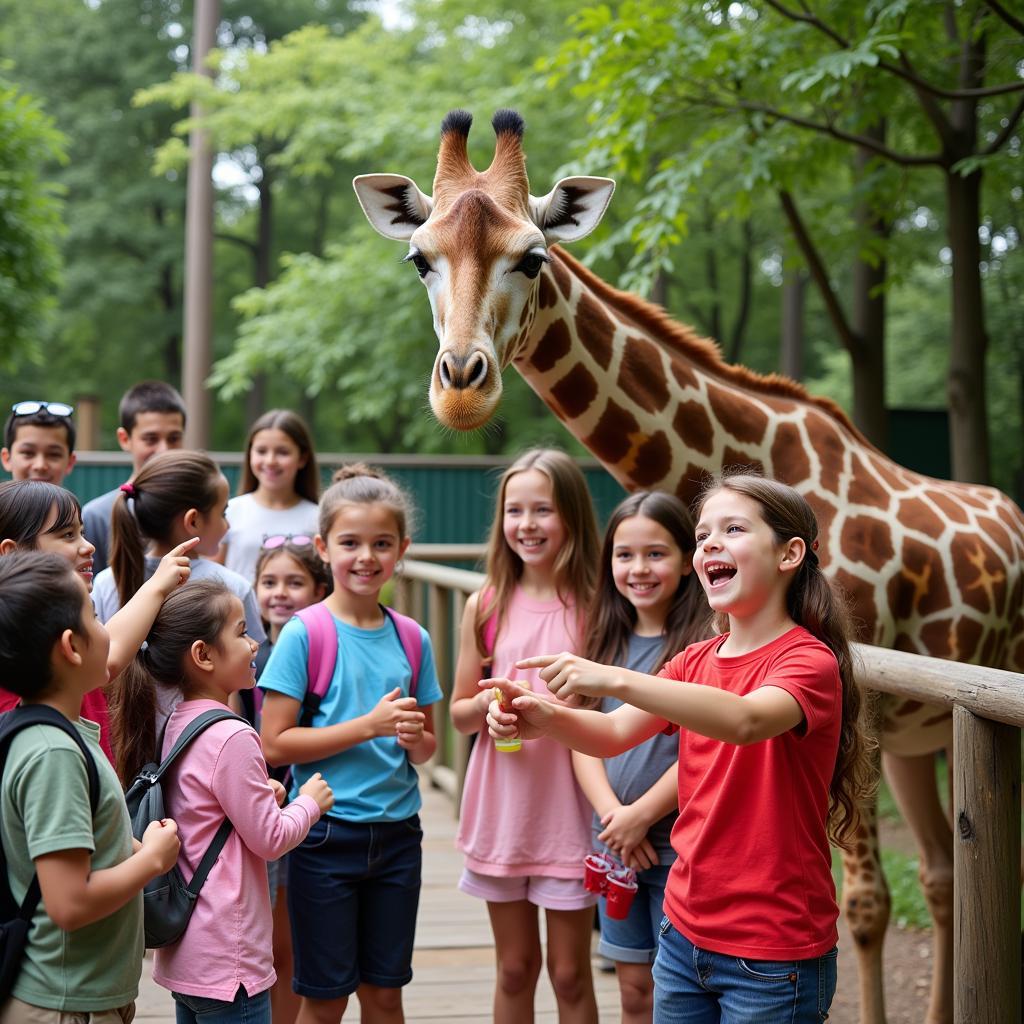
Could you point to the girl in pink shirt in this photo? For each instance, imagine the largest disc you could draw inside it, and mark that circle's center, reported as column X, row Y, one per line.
column 772, row 762
column 223, row 964
column 525, row 824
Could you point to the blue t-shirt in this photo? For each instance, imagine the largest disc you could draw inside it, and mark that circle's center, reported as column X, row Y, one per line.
column 372, row 781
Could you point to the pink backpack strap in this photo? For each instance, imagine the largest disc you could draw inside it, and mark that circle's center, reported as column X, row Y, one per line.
column 323, row 656
column 411, row 639
column 490, row 631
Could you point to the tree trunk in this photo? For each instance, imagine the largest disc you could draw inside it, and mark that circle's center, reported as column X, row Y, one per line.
column 868, row 316
column 256, row 399
column 791, row 341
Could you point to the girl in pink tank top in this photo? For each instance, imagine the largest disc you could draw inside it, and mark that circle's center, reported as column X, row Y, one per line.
column 525, row 824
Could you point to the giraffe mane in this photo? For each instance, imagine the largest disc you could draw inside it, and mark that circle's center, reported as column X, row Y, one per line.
column 703, row 351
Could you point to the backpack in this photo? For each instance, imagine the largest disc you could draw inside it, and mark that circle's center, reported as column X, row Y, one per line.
column 16, row 921
column 323, row 653
column 167, row 901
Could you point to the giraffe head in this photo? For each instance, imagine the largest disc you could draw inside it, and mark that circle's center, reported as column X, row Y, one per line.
column 479, row 244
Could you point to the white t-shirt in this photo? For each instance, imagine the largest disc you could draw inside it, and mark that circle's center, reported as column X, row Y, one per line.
column 250, row 522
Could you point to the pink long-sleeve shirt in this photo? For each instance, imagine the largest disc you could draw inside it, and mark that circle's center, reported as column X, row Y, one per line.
column 228, row 939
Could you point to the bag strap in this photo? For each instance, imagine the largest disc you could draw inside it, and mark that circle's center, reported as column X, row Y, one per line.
column 189, row 733
column 411, row 639
column 210, row 857
column 11, row 723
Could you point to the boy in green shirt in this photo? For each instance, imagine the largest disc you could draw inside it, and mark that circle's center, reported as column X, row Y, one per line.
column 84, row 949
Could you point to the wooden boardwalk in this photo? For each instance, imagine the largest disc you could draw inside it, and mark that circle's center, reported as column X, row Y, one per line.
column 454, row 958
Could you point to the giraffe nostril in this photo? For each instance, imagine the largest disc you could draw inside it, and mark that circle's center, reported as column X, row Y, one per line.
column 476, row 371
column 445, row 373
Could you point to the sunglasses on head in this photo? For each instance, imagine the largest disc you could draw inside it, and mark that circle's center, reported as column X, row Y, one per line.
column 277, row 540
column 54, row 408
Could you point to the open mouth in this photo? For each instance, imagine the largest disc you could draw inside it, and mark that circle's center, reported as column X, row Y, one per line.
column 531, row 542
column 642, row 588
column 718, row 573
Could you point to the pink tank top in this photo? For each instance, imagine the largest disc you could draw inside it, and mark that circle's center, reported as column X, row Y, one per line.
column 524, row 813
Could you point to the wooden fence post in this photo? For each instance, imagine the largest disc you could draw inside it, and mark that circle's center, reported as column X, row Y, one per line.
column 986, row 870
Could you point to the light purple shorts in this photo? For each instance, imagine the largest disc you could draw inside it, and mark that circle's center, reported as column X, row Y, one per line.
column 540, row 890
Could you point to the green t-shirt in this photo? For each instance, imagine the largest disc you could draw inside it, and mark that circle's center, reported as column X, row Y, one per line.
column 44, row 802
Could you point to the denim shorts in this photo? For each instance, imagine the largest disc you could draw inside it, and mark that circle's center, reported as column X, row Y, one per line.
column 634, row 940
column 699, row 987
column 244, row 1009
column 353, row 893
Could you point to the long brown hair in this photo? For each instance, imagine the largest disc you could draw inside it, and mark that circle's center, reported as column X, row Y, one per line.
column 166, row 486
column 814, row 603
column 196, row 611
column 612, row 618
column 576, row 564
column 307, row 479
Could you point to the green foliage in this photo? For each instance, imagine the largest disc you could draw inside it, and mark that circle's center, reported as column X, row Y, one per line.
column 30, row 222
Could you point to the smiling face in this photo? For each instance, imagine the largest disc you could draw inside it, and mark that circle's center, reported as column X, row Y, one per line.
column 39, row 453
column 69, row 542
column 647, row 567
column 152, row 433
column 738, row 559
column 362, row 548
column 234, row 652
column 531, row 524
column 283, row 587
column 275, row 459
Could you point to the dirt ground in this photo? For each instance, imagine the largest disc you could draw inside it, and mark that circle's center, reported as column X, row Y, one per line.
column 908, row 960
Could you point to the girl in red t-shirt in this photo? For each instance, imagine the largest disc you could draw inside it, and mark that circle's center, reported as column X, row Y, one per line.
column 772, row 762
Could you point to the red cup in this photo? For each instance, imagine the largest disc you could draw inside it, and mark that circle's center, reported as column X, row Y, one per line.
column 621, row 888
column 595, row 872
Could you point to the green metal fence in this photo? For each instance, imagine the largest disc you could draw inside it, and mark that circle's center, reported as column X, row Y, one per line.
column 454, row 496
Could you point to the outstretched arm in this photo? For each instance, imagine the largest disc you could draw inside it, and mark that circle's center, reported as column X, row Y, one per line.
column 759, row 715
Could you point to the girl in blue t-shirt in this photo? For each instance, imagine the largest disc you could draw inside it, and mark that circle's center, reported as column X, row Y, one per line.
column 647, row 607
column 353, row 885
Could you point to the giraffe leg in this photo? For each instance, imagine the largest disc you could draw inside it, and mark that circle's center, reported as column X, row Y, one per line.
column 866, row 906
column 912, row 780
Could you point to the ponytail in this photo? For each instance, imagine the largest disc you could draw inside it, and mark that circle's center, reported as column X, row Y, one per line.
column 196, row 611
column 168, row 485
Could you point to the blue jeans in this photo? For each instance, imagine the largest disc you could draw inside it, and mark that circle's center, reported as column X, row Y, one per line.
column 699, row 987
column 244, row 1009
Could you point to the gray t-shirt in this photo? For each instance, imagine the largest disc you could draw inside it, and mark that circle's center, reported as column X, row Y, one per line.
column 633, row 772
column 96, row 527
column 250, row 522
column 107, row 603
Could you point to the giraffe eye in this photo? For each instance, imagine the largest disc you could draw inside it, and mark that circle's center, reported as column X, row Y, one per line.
column 419, row 261
column 531, row 263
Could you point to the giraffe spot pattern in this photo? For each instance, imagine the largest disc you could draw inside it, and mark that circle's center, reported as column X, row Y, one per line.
column 546, row 294
column 949, row 508
column 653, row 460
column 555, row 344
column 861, row 599
column 575, row 391
column 684, row 376
column 937, row 636
column 734, row 458
column 693, row 425
column 865, row 488
column 593, row 324
column 609, row 440
column 968, row 638
column 830, row 449
column 641, row 376
column 737, row 415
column 789, row 460
column 563, row 277
column 919, row 588
column 979, row 572
column 689, row 484
column 918, row 512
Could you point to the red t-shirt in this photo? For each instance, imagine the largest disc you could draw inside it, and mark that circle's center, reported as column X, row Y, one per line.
column 94, row 707
column 753, row 873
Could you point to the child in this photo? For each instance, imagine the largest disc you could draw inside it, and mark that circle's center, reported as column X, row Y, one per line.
column 175, row 496
column 278, row 492
column 39, row 441
column 152, row 416
column 222, row 965
column 289, row 576
column 525, row 825
column 83, row 954
column 37, row 516
column 648, row 607
column 353, row 886
column 772, row 762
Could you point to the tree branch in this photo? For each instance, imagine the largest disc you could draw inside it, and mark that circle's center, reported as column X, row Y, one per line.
column 1006, row 131
column 1012, row 20
column 818, row 272
column 906, row 71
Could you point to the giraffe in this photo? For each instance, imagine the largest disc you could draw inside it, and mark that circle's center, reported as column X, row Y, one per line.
column 930, row 567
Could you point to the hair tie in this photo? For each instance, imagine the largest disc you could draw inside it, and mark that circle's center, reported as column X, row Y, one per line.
column 128, row 489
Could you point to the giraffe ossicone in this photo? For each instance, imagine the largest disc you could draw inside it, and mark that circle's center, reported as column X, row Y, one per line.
column 931, row 567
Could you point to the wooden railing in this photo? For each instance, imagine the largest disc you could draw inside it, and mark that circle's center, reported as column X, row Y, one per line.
column 988, row 714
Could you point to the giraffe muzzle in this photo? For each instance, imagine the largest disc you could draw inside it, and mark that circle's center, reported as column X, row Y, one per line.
column 461, row 373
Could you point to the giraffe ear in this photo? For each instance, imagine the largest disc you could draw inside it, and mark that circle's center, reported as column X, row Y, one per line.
column 573, row 208
column 392, row 204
